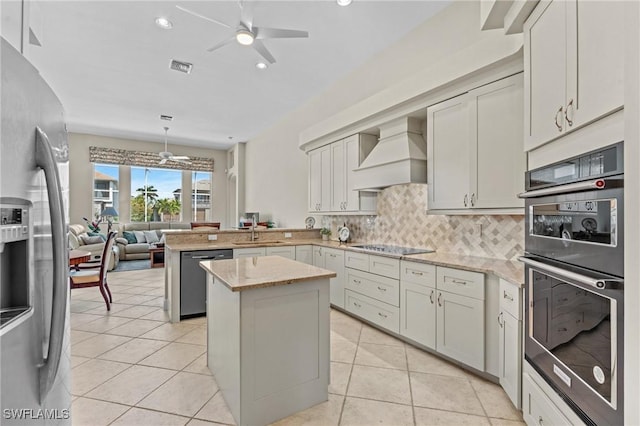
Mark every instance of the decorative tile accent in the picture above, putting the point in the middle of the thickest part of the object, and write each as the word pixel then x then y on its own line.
pixel 403 220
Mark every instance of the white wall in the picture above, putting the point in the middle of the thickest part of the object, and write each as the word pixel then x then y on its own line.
pixel 81 173
pixel 274 161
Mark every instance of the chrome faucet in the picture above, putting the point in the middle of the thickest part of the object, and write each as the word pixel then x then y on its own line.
pixel 253 228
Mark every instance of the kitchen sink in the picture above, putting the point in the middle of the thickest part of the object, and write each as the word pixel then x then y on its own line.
pixel 243 243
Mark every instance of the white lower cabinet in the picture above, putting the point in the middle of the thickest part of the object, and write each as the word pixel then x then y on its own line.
pixel 284 251
pixel 510 342
pixel 537 408
pixel 460 328
pixel 418 313
pixel 304 254
pixel 334 261
pixel 379 313
pixel 249 252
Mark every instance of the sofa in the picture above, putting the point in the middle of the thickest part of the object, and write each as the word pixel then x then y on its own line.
pixel 134 245
pixel 81 239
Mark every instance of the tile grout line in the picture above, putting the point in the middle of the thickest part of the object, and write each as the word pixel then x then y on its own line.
pixel 346 390
pixel 413 407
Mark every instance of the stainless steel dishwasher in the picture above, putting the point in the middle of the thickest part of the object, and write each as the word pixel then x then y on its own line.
pixel 193 280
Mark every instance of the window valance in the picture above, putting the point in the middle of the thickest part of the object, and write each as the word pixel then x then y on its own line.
pixel 125 157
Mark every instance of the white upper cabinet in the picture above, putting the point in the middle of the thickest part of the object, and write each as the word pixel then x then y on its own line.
pixel 574 61
pixel 475 151
pixel 448 154
pixel 497 174
pixel 320 179
pixel 331 176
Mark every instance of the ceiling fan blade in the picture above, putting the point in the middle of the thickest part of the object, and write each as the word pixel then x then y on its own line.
pixel 191 12
pixel 246 13
pixel 219 45
pixel 179 157
pixel 262 33
pixel 262 50
pixel 164 160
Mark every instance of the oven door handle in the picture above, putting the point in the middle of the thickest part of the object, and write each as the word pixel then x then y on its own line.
pixel 560 273
pixel 563 189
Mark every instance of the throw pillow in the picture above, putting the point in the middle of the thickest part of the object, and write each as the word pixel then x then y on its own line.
pixel 130 237
pixel 97 234
pixel 81 238
pixel 162 239
pixel 151 236
pixel 73 241
pixel 91 240
pixel 140 236
pixel 122 240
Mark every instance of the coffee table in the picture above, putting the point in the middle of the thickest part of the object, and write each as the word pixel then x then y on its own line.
pixel 157 256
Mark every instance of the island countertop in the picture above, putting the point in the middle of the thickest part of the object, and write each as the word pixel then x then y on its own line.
pixel 264 271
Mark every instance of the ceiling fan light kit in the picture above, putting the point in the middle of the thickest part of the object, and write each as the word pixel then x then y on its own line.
pixel 244 37
pixel 343 2
pixel 164 23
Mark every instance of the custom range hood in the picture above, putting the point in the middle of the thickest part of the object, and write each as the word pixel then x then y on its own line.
pixel 399 157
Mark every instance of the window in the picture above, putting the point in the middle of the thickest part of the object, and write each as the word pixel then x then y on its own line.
pixel 152 195
pixel 201 196
pixel 105 188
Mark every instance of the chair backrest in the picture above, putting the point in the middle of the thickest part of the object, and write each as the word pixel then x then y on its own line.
pixel 106 255
pixel 209 225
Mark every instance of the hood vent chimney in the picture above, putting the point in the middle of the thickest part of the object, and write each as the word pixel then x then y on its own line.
pixel 399 157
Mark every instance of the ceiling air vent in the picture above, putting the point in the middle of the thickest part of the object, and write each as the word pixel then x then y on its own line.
pixel 166 117
pixel 184 67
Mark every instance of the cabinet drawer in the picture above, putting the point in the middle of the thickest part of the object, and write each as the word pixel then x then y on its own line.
pixel 464 283
pixel 385 266
pixel 510 300
pixel 380 288
pixel 537 408
pixel 356 260
pixel 418 273
pixel 379 313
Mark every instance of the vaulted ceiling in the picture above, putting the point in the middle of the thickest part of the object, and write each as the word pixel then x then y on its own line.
pixel 109 62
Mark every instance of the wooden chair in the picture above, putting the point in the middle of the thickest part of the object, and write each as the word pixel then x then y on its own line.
pixel 205 226
pixel 96 277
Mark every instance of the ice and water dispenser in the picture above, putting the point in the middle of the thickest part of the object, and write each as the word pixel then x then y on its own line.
pixel 15 260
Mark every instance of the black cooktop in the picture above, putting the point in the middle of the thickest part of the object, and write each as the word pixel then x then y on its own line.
pixel 399 250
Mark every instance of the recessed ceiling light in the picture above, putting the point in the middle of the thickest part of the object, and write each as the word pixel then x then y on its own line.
pixel 261 66
pixel 343 2
pixel 164 23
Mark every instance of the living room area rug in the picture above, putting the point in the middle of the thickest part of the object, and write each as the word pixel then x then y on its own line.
pixel 132 265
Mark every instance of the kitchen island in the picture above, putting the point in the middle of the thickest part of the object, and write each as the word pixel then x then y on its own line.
pixel 268 335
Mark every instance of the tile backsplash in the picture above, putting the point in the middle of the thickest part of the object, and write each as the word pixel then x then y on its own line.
pixel 402 220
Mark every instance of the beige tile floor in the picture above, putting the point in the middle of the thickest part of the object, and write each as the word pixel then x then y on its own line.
pixel 132 367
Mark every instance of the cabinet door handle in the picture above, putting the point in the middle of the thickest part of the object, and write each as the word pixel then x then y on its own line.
pixel 566 113
pixel 439 299
pixel 357 281
pixel 417 273
pixel 465 200
pixel 558 125
pixel 473 200
pixel 459 282
pixel 382 315
pixel 540 420
pixel 431 296
pixel 500 320
pixel 357 305
pixel 507 296
pixel 382 288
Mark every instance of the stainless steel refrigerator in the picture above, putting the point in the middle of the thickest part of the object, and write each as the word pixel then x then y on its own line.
pixel 34 291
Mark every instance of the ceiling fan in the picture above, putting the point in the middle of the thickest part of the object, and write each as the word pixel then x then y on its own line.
pixel 248 35
pixel 167 156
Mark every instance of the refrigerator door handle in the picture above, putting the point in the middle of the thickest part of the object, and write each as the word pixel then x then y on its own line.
pixel 45 159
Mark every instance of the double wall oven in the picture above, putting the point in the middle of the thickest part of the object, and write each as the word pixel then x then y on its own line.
pixel 574 266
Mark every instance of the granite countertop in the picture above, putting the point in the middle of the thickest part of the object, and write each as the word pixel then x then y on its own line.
pixel 511 271
pixel 265 271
